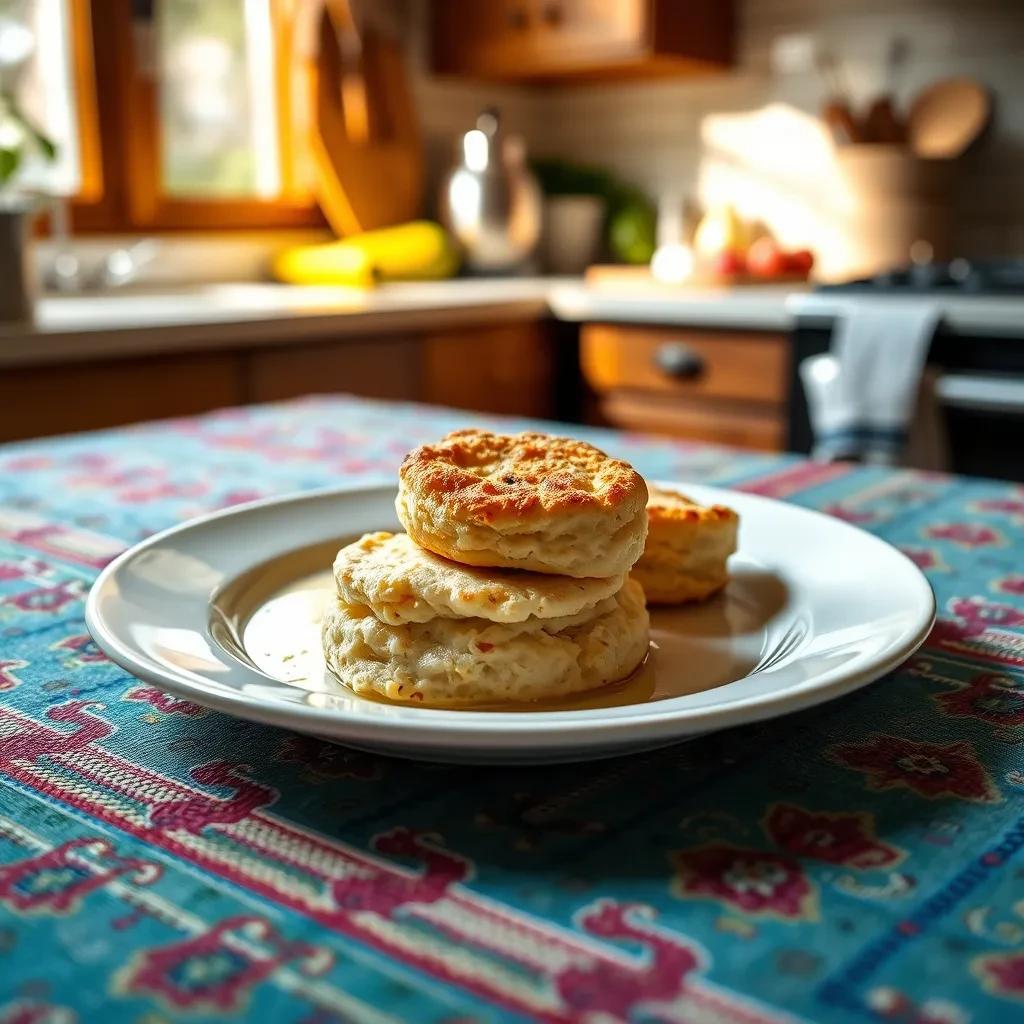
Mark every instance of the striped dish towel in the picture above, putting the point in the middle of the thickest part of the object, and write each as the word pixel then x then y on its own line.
pixel 863 395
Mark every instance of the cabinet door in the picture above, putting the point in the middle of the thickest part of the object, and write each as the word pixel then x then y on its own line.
pixel 727 423
pixel 57 399
pixel 503 368
pixel 547 39
pixel 371 367
pixel 531 38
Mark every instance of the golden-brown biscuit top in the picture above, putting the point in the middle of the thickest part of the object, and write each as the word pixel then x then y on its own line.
pixel 665 506
pixel 485 477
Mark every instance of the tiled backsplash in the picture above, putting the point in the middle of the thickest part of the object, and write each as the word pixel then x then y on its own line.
pixel 655 133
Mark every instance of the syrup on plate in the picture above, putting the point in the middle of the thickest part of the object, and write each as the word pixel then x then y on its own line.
pixel 271 617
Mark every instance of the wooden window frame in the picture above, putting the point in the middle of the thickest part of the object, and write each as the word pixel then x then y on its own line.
pixel 120 133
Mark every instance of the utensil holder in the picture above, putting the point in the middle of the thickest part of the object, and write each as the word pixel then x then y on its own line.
pixel 894 204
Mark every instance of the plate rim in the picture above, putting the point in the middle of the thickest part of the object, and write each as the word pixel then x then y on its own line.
pixel 434 725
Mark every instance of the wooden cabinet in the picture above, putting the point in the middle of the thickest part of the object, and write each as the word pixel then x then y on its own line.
pixel 61 399
pixel 372 368
pixel 506 368
pixel 499 368
pixel 545 40
pixel 727 387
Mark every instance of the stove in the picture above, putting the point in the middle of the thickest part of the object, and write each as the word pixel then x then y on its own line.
pixel 978 351
pixel 958 277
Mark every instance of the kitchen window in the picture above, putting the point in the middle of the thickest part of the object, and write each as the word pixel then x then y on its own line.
pixel 172 113
pixel 44 66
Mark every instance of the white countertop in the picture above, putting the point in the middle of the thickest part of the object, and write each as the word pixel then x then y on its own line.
pixel 997 315
pixel 246 314
pixel 94 326
pixel 752 307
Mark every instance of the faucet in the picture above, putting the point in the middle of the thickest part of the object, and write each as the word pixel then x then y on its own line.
pixel 122 266
pixel 117 268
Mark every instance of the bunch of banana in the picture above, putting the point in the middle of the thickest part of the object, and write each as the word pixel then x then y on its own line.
pixel 418 251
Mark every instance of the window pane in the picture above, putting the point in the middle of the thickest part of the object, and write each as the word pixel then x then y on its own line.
pixel 215 61
pixel 36 65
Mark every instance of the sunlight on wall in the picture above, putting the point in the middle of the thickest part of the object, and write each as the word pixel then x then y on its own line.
pixel 778 165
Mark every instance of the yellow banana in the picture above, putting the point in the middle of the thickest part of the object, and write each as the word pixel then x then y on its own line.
pixel 418 251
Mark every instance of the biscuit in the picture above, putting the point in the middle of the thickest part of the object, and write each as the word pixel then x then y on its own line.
pixel 461 662
pixel 687 548
pixel 401 582
pixel 524 501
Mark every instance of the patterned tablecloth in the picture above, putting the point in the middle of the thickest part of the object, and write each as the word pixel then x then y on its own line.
pixel 158 862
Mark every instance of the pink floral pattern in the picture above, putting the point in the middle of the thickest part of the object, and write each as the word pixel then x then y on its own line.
pixel 1002 974
pixel 966 535
pixel 836 838
pixel 991 697
pixel 926 559
pixel 1012 584
pixel 754 882
pixel 1012 506
pixel 931 770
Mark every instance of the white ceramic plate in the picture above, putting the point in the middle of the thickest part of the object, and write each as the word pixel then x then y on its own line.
pixel 224 611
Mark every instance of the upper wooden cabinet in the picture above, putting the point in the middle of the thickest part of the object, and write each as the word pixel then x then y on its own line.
pixel 548 40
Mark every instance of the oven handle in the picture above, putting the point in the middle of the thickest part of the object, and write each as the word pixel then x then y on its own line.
pixel 988 393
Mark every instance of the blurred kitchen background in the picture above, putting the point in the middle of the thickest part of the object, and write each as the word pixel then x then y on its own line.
pixel 782 224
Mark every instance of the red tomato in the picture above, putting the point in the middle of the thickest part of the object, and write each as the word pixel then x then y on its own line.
pixel 729 263
pixel 800 262
pixel 764 259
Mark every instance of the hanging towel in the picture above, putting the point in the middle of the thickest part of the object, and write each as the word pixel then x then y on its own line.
pixel 862 397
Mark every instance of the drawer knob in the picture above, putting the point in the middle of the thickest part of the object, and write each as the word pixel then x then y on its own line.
pixel 679 361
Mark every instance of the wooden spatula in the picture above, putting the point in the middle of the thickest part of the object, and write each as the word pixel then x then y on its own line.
pixel 947 117
pixel 365 138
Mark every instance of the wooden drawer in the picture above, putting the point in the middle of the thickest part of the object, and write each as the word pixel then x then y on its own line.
pixel 727 423
pixel 685 362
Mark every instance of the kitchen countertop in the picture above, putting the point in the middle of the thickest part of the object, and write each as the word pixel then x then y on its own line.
pixel 134 322
pixel 753 307
pixel 996 315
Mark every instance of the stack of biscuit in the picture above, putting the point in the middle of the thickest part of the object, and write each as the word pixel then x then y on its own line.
pixel 511 583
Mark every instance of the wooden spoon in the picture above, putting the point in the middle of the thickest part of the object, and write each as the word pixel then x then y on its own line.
pixel 947 117
pixel 882 123
pixel 837 112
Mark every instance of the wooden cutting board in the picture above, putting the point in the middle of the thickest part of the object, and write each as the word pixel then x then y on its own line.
pixel 621 277
pixel 365 136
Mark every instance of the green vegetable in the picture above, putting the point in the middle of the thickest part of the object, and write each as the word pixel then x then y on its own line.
pixel 630 223
pixel 631 232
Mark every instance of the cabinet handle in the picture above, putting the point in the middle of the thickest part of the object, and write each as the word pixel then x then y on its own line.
pixel 553 14
pixel 516 17
pixel 678 360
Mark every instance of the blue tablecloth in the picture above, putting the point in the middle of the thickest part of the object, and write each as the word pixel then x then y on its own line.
pixel 159 862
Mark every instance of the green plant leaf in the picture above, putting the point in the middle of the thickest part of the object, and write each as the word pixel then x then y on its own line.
pixel 46 146
pixel 9 162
